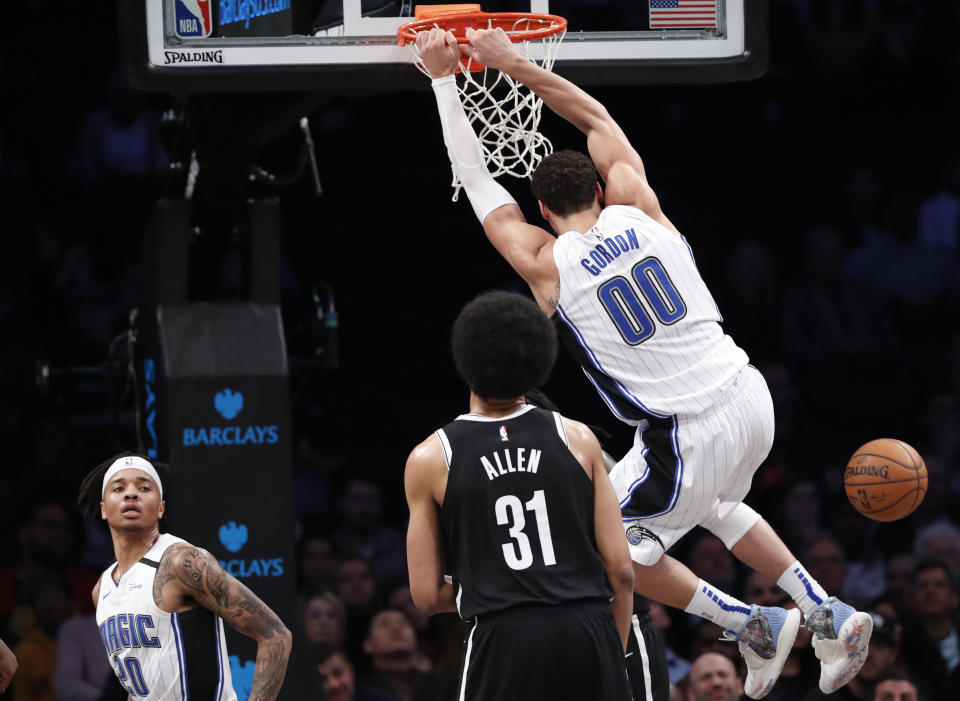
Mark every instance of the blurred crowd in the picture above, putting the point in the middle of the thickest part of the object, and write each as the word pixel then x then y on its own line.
pixel 822 201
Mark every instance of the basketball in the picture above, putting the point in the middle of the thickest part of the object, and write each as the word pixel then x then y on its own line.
pixel 885 480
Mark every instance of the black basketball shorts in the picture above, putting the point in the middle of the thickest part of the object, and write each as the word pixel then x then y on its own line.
pixel 646 657
pixel 549 653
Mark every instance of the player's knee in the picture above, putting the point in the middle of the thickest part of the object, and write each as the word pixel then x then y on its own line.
pixel 732 527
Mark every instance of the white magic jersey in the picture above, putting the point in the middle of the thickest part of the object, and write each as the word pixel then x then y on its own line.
pixel 158 655
pixel 639 318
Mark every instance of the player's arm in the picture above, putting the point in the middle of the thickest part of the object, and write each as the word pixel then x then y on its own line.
pixel 195 574
pixel 8 666
pixel 527 248
pixel 607 526
pixel 616 160
pixel 423 479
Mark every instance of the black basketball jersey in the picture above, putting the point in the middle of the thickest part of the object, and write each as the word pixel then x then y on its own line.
pixel 517 514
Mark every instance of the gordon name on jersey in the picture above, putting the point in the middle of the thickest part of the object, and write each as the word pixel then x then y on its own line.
pixel 638 317
pixel 605 251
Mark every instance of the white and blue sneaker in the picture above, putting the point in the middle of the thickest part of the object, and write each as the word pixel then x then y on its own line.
pixel 765 642
pixel 841 640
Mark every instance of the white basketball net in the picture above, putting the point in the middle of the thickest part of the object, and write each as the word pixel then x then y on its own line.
pixel 504 112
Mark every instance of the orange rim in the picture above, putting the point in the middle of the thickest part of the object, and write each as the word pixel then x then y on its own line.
pixel 539 26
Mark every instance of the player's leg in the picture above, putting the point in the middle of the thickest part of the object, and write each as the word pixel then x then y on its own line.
pixel 672 486
pixel 841 633
pixel 646 656
pixel 764 634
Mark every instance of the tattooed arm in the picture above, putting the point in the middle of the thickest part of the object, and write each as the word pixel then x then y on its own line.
pixel 8 666
pixel 187 573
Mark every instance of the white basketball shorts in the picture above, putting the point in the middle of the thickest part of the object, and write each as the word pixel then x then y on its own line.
pixel 684 471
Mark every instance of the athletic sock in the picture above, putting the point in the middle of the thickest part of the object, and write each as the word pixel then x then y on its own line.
pixel 726 611
pixel 802 588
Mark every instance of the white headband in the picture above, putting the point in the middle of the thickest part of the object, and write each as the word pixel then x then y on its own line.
pixel 131 462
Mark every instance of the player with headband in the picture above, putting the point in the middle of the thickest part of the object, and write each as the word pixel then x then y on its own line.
pixel 161 605
pixel 632 307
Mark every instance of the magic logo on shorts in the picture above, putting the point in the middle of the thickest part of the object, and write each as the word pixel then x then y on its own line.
pixel 192 18
pixel 636 534
pixel 229 404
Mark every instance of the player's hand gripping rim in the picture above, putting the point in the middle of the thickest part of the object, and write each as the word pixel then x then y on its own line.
pixel 439 52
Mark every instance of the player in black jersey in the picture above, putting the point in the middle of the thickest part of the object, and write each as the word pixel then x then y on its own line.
pixel 514 503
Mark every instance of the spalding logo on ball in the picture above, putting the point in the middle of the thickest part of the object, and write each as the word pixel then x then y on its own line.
pixel 885 480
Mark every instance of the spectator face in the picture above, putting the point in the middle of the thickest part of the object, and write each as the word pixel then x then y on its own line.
pixel 896 573
pixel 882 654
pixel 322 620
pixel 337 677
pixel 659 616
pixel 827 563
pixel 708 639
pixel 360 505
pixel 390 633
pixel 317 561
pixel 47 537
pixel 356 586
pixel 945 549
pixel 400 599
pixel 714 678
pixel 762 590
pixel 933 593
pixel 52 605
pixel 712 562
pixel 801 505
pixel 895 690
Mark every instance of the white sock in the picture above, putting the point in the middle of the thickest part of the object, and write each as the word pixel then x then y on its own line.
pixel 802 588
pixel 726 611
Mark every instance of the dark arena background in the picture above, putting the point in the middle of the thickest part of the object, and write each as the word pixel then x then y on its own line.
pixel 822 202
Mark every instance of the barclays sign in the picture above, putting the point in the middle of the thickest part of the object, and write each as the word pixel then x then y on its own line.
pixel 233 537
pixel 229 404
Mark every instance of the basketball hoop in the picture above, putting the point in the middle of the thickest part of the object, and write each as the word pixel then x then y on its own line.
pixel 504 112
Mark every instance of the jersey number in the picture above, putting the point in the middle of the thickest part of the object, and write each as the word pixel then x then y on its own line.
pixel 131 676
pixel 518 553
pixel 621 300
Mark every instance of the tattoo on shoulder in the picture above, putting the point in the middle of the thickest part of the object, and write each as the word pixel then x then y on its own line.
pixel 201 575
pixel 183 563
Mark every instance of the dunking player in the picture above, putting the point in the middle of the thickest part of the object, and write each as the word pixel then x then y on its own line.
pixel 161 606
pixel 514 503
pixel 623 284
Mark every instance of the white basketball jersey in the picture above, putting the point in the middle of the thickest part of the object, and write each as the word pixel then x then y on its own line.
pixel 639 318
pixel 158 655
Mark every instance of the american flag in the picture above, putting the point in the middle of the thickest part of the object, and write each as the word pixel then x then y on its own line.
pixel 683 13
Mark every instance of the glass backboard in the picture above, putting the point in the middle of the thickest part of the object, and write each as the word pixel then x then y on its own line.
pixel 350 45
